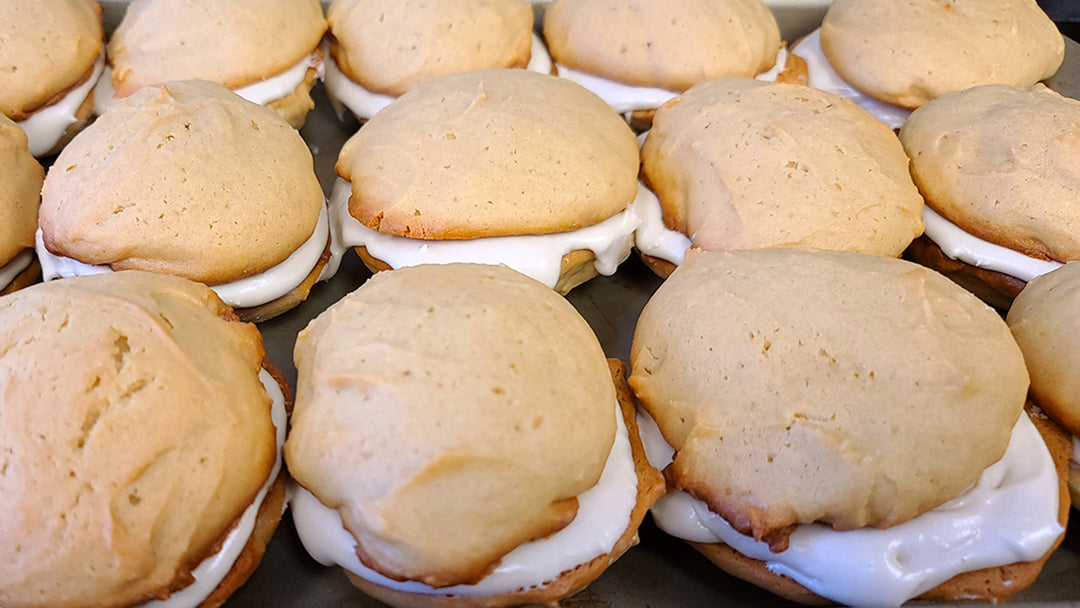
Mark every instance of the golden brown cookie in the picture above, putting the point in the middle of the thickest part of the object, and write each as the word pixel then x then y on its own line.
pixel 793 383
pixel 19 192
pixel 739 164
pixel 907 53
pixel 666 44
pixel 1001 163
pixel 223 41
pixel 389 47
pixel 135 412
pixel 47 47
pixel 487 425
pixel 186 179
pixel 490 153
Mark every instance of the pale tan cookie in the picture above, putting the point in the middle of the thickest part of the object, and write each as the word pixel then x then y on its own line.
pixel 739 163
pixel 662 43
pixel 994 585
pixel 907 53
pixel 1045 320
pixel 389 46
pixel 134 413
pixel 46 47
pixel 20 192
pixel 231 42
pixel 490 153
pixel 796 386
pixel 186 179
pixel 650 487
pixel 449 414
pixel 1003 164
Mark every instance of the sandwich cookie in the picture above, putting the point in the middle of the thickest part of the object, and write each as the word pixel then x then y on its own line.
pixel 638 55
pixel 20 193
pixel 999 167
pixel 140 441
pixel 51 55
pixel 459 440
pixel 891 57
pixel 491 166
pixel 379 50
pixel 848 427
pixel 1045 322
pixel 267 52
pixel 189 179
pixel 737 163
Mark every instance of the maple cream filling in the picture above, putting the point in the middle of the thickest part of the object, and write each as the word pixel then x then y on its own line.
pixel 346 93
pixel 209 574
pixel 255 290
pixel 821 75
pixel 1011 515
pixel 970 249
pixel 624 98
pixel 655 239
pixel 45 127
pixel 19 263
pixel 538 256
pixel 262 92
pixel 603 516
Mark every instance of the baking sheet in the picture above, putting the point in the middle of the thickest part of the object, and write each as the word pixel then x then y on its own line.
pixel 660 571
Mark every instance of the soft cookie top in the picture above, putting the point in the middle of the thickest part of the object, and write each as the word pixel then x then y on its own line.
pixel 232 42
pixel 46 47
pixel 20 191
pixel 907 53
pixel 450 413
pixel 388 47
pixel 1045 320
pixel 135 430
pixel 739 163
pixel 801 386
pixel 1003 163
pixel 490 153
pixel 186 178
pixel 670 44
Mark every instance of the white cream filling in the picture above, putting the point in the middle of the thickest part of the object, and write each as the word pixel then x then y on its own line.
pixel 603 515
pixel 242 293
pixel 209 574
pixel 970 249
pixel 283 84
pixel 538 256
pixel 262 92
pixel 1009 516
pixel 655 239
pixel 345 93
pixel 46 126
pixel 821 75
pixel 625 98
pixel 19 263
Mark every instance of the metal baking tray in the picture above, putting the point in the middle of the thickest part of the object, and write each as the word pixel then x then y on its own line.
pixel 660 571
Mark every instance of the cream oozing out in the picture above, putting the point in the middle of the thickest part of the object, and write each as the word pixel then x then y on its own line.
pixel 1011 515
pixel 603 516
pixel 241 293
pixel 652 237
pixel 262 92
pixel 46 126
pixel 624 98
pixel 346 93
pixel 821 75
pixel 209 574
pixel 970 249
pixel 538 256
pixel 19 263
